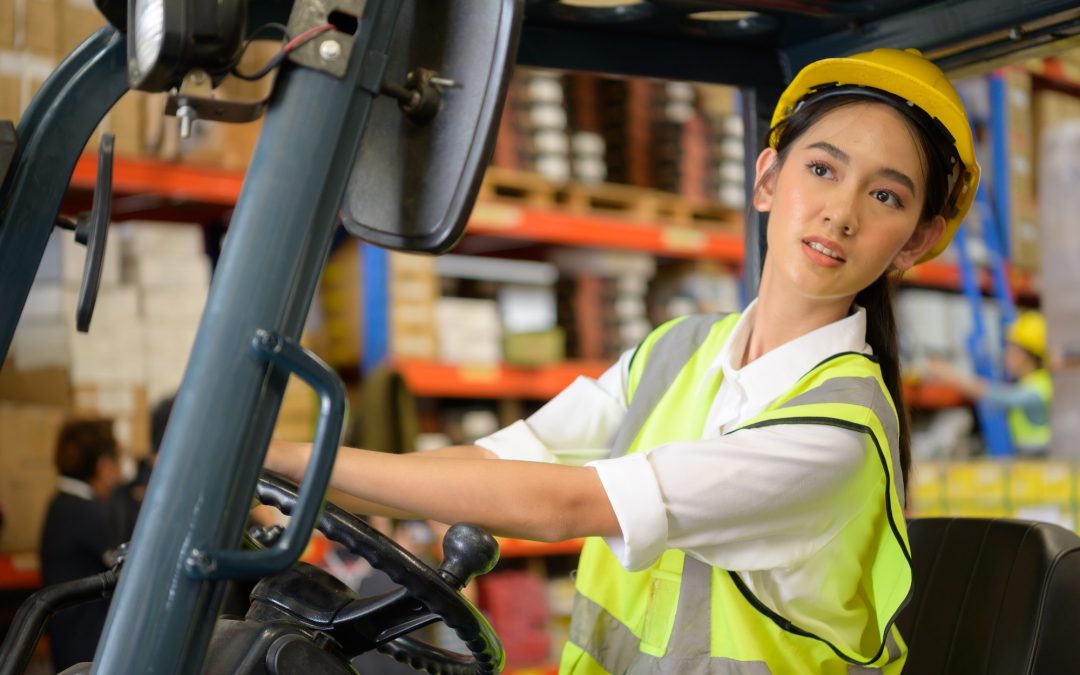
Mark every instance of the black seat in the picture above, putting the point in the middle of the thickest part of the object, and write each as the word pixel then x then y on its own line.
pixel 992 596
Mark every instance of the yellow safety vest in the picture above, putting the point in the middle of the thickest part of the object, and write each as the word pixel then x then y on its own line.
pixel 1028 435
pixel 684 616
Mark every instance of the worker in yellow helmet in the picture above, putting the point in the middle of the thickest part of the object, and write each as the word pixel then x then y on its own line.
pixel 1027 398
pixel 740 477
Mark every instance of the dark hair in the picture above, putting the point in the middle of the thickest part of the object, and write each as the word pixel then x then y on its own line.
pixel 936 152
pixel 159 418
pixel 81 444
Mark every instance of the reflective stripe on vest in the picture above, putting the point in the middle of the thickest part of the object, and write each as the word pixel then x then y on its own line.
pixel 684 642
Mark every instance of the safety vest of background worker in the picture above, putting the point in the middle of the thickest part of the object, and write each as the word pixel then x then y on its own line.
pixel 708 616
pixel 1029 416
pixel 683 615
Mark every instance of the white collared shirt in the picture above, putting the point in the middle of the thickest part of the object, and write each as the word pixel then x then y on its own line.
pixel 759 499
pixel 74 487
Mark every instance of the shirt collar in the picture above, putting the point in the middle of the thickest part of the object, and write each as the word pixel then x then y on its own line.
pixel 775 372
pixel 75 487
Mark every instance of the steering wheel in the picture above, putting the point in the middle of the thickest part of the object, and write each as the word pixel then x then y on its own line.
pixel 467 550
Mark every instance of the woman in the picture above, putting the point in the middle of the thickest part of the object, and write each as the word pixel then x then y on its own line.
pixel 743 478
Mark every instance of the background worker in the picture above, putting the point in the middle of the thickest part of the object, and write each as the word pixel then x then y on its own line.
pixel 1026 397
pixel 77 540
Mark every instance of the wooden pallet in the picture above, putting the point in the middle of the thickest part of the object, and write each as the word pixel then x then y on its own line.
pixel 622 201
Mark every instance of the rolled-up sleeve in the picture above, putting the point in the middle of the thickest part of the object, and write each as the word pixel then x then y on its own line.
pixel 755 499
pixel 574 427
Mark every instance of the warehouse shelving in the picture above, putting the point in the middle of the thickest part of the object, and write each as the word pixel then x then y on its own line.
pixel 495 218
pixel 542 225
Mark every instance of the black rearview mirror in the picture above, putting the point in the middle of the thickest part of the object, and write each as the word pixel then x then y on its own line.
pixel 416 176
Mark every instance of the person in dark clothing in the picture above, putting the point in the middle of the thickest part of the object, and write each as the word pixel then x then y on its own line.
pixel 77 541
pixel 125 501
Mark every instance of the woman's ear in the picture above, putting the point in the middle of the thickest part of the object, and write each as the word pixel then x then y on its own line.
pixel 765 180
pixel 921 241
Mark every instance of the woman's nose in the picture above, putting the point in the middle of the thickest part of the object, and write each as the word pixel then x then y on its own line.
pixel 840 215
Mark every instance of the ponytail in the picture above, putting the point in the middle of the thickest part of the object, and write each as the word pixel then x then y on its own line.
pixel 881 336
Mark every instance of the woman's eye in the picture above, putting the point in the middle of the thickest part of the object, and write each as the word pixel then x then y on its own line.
pixel 888 198
pixel 820 170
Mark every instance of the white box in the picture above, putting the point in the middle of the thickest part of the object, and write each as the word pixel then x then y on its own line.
pixel 173 304
pixel 54 301
pixel 142 237
pixel 64 259
pixel 171 271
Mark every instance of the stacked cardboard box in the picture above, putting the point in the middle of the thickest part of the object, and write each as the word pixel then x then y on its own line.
pixel 414 296
pixel 335 320
pixel 469 331
pixel 97 373
pixel 35 35
pixel 165 262
pixel 28 436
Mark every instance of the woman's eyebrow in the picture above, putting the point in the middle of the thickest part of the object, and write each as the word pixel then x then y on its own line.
pixel 832 150
pixel 895 174
pixel 899 177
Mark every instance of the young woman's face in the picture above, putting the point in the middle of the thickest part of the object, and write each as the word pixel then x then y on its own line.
pixel 845 206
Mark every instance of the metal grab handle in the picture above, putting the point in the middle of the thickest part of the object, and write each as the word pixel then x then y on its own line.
pixel 236 564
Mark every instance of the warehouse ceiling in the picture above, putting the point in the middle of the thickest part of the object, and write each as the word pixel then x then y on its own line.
pixel 754 41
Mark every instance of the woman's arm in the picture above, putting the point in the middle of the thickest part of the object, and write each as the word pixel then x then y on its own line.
pixel 530 500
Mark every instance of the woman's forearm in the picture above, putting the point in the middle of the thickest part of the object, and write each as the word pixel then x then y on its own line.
pixel 531 500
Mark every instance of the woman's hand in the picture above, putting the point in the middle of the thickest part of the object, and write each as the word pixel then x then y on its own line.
pixel 288 459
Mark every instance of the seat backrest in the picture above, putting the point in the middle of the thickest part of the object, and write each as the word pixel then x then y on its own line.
pixel 993 597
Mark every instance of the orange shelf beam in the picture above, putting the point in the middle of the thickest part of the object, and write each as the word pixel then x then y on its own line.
pixel 132 176
pixel 19 571
pixel 552 226
pixel 523 548
pixel 932 395
pixel 430 378
pixel 947 277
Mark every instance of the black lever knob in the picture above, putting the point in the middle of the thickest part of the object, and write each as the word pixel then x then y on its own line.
pixel 468 551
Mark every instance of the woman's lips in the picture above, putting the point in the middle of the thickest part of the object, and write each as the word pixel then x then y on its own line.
pixel 823 252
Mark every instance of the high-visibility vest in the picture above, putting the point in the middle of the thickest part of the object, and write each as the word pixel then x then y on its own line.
pixel 683 616
pixel 1026 434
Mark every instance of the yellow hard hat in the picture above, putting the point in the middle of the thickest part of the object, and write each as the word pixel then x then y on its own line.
pixel 1029 332
pixel 911 77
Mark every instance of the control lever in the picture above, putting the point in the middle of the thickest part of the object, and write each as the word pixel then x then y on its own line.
pixel 92 230
pixel 468 552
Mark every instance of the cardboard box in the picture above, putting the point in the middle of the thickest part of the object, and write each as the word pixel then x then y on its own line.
pixel 148 238
pixel 76 22
pixel 170 271
pixel 53 301
pixel 27 477
pixel 41 27
pixel 126 122
pixel 7 26
pixel 126 405
pixel 44 386
pixel 535 349
pixel 64 260
pixel 10 96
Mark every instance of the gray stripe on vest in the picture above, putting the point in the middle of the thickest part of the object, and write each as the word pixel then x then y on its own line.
pixel 602 636
pixel 665 362
pixel 856 391
pixel 618 650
